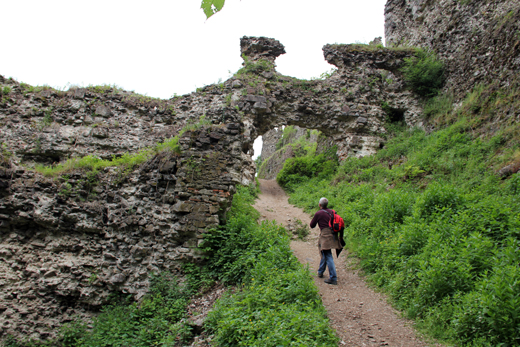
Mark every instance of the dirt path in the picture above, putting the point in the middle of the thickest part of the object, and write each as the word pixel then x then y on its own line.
pixel 360 316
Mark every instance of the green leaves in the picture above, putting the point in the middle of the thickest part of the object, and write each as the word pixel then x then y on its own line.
pixel 424 73
pixel 433 226
pixel 278 303
pixel 210 7
pixel 155 321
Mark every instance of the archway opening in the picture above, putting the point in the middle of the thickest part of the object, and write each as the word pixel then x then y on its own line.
pixel 282 143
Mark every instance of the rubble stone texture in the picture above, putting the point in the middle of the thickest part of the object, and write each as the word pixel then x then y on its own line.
pixel 67 242
pixel 479 41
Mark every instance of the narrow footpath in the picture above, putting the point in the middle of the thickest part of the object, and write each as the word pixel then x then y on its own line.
pixel 360 316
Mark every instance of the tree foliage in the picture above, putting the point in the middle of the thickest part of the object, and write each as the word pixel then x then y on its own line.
pixel 210 7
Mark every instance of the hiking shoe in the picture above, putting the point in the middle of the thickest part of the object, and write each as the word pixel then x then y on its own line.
pixel 320 275
pixel 331 282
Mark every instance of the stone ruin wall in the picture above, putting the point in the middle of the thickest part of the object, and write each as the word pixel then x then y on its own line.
pixel 479 41
pixel 272 159
pixel 66 243
pixel 269 141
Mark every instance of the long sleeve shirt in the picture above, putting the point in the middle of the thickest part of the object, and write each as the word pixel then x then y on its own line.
pixel 321 218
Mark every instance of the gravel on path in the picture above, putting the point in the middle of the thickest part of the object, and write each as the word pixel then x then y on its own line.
pixel 360 316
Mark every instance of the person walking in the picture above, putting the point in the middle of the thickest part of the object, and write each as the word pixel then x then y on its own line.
pixel 327 242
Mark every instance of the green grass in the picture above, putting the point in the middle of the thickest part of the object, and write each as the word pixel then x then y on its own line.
pixel 127 161
pixel 436 228
pixel 298 170
pixel 278 303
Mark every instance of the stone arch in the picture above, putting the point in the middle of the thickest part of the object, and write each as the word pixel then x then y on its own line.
pixel 349 106
pixel 151 217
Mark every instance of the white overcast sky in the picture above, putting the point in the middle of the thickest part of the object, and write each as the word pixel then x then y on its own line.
pixel 159 48
pixel 162 47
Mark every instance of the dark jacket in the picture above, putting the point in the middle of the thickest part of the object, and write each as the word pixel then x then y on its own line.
pixel 328 239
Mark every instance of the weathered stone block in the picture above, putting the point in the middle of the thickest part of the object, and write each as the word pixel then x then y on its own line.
pixel 103 111
pixel 117 279
pixel 183 206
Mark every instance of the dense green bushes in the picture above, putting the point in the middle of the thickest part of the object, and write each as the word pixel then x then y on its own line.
pixel 299 169
pixel 155 321
pixel 437 229
pixel 278 304
pixel 424 73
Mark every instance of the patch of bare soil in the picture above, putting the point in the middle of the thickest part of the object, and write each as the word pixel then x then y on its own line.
pixel 360 316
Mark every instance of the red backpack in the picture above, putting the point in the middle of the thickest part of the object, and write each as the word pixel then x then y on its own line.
pixel 336 223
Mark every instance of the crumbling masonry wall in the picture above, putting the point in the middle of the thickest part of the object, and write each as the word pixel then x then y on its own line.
pixel 479 41
pixel 68 241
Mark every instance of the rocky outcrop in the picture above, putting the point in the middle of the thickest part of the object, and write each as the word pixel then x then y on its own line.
pixel 69 240
pixel 261 48
pixel 65 249
pixel 479 41
pixel 346 104
pixel 269 141
pixel 272 165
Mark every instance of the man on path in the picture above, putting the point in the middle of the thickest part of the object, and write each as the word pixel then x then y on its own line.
pixel 328 240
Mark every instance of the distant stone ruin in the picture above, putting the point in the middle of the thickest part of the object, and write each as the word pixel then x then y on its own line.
pixel 67 241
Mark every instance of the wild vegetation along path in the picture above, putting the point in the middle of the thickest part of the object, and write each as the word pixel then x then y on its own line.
pixel 360 316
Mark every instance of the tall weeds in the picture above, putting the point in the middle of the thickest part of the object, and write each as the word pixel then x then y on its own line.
pixel 436 228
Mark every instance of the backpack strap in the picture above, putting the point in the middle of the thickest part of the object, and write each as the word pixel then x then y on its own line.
pixel 331 218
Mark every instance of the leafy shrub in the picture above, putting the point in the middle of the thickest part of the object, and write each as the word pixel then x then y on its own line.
pixel 133 324
pixel 298 170
pixel 424 73
pixel 278 303
pixel 490 312
pixel 443 245
pixel 280 309
pixel 437 198
pixel 514 184
pixel 233 248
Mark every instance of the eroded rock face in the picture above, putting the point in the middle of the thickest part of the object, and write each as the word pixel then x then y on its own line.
pixel 477 40
pixel 273 159
pixel 67 242
pixel 64 250
pixel 345 105
pixel 269 141
pixel 256 48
